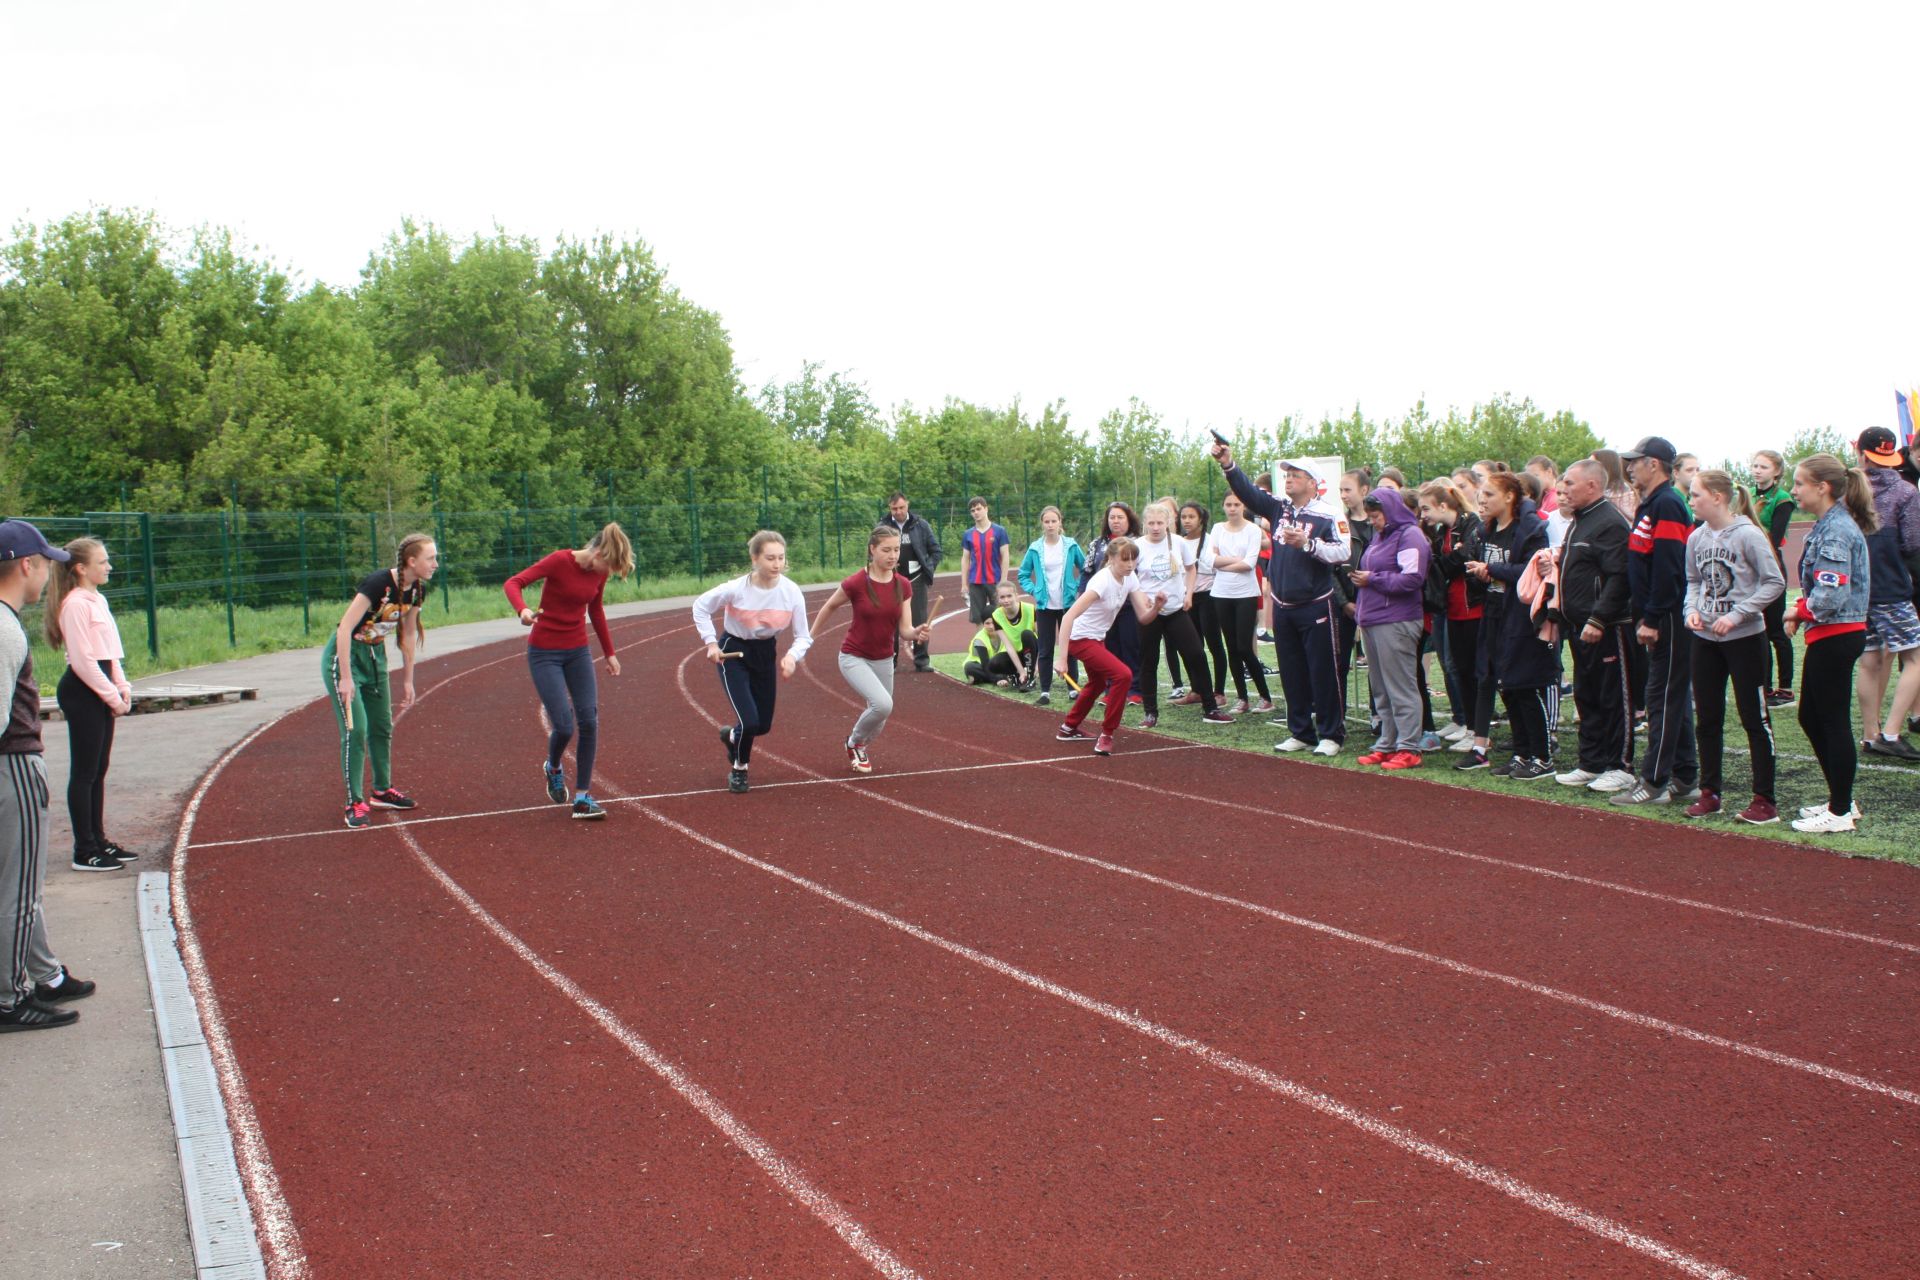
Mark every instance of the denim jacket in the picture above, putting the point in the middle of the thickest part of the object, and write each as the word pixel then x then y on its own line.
pixel 1835 576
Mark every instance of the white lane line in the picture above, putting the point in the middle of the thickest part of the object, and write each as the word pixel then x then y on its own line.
pixel 1645 1021
pixel 1404 1140
pixel 817 780
pixel 788 1176
pixel 288 1259
pixel 1592 882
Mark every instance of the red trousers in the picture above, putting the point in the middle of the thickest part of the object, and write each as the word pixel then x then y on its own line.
pixel 1103 670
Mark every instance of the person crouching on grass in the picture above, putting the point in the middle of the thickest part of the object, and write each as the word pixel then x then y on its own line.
pixel 1003 649
pixel 558 656
pixel 755 608
pixel 882 603
pixel 1087 623
pixel 385 602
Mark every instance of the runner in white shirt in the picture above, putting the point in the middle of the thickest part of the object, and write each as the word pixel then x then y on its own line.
pixel 1087 623
pixel 755 608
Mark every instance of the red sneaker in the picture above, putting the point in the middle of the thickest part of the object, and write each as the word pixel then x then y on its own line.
pixel 1403 760
pixel 1103 745
pixel 1759 813
pixel 1375 757
pixel 1709 802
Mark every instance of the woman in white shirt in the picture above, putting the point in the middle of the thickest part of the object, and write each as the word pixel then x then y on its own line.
pixel 755 608
pixel 1166 570
pixel 1234 545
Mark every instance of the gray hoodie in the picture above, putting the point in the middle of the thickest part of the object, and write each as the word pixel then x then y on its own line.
pixel 1731 572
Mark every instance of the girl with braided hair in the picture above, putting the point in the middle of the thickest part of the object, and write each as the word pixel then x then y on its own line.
pixel 354 669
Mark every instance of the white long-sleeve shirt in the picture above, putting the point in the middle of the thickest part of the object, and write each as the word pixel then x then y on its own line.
pixel 755 613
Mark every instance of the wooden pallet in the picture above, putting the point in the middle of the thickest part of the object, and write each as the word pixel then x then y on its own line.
pixel 169 697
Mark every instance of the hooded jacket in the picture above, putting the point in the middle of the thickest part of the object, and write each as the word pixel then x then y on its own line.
pixel 1511 651
pixel 1395 563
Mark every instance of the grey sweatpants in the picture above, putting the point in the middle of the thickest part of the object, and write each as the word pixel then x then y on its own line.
pixel 872 679
pixel 1393 669
pixel 23 877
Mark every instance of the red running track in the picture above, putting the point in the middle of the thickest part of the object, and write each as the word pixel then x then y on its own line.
pixel 1006 1009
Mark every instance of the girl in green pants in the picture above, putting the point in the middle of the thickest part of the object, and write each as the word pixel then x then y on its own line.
pixel 387 601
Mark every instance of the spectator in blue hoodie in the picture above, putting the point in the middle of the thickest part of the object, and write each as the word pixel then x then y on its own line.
pixel 1050 572
pixel 1657 590
pixel 1392 580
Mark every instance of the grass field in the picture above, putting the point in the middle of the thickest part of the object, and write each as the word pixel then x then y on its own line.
pixel 1888 792
pixel 197 636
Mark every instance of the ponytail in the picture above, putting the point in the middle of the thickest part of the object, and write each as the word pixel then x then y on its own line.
pixel 1848 485
pixel 64 579
pixel 408 549
pixel 1722 485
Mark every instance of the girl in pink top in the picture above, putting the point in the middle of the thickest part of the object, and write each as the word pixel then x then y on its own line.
pixel 558 656
pixel 93 693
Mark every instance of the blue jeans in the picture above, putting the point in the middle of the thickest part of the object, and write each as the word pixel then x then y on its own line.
pixel 564 680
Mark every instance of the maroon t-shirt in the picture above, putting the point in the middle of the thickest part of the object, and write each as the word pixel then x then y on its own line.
pixel 876 614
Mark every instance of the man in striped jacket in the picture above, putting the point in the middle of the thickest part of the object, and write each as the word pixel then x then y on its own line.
pixel 1657 589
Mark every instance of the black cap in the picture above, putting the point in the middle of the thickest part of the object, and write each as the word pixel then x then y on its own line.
pixel 18 538
pixel 1653 447
pixel 1879 446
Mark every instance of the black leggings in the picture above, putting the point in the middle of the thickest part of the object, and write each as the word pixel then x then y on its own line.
pixel 90 750
pixel 1463 651
pixel 752 684
pixel 1237 616
pixel 1826 711
pixel 1181 637
pixel 1780 656
pixel 1744 661
pixel 1206 621
pixel 1047 628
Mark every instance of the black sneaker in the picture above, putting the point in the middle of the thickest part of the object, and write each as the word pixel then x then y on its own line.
pixel 556 782
pixel 95 860
pixel 1475 759
pixel 1506 770
pixel 1913 724
pixel 70 988
pixel 391 798
pixel 726 740
pixel 585 806
pixel 31 1015
pixel 1044 700
pixel 737 781
pixel 1778 698
pixel 358 815
pixel 1529 771
pixel 1897 748
pixel 124 855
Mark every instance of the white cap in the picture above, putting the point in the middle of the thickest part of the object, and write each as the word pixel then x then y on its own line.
pixel 1303 464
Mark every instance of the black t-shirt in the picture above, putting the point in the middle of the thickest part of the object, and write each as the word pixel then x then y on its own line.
pixel 390 605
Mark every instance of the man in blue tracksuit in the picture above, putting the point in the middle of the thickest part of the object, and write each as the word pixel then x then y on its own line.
pixel 1310 536
pixel 1657 590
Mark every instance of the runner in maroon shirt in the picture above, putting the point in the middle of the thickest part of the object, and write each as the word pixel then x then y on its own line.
pixel 882 617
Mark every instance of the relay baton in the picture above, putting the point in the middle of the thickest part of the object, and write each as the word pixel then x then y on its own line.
pixel 346 712
pixel 527 622
pixel 1071 682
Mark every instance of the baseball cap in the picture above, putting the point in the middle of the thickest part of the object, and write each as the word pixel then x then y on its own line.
pixel 1302 464
pixel 1878 446
pixel 18 538
pixel 1653 447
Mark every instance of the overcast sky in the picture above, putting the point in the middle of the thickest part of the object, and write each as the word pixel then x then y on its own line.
pixel 1698 220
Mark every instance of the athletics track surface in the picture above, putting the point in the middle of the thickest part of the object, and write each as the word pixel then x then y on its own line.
pixel 1074 1018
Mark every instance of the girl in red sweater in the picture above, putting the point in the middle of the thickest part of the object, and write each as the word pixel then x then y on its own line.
pixel 558 656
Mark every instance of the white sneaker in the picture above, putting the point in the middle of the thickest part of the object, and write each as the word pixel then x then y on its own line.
pixel 1612 780
pixel 1575 777
pixel 1291 745
pixel 1824 822
pixel 1326 747
pixel 1463 743
pixel 1815 810
pixel 1455 732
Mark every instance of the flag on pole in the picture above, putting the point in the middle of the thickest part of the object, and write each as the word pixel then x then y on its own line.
pixel 1903 407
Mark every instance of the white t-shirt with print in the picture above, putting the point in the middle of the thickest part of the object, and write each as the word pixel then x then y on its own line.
pixel 1109 597
pixel 1163 571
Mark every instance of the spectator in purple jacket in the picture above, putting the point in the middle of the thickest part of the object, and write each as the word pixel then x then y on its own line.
pixel 1392 579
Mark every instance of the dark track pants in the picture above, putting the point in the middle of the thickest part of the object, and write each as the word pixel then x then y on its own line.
pixel 1669 755
pixel 1602 675
pixel 752 683
pixel 1308 643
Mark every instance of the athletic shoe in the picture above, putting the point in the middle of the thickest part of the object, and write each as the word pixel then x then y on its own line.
pixel 1913 724
pixel 1264 637
pixel 1708 803
pixel 1686 794
pixel 1103 745
pixel 585 806
pixel 31 1015
pixel 1291 745
pixel 1575 777
pixel 95 860
pixel 1403 760
pixel 726 740
pixel 556 782
pixel 1896 748
pixel 1463 743
pixel 1239 707
pixel 1610 781
pixel 1506 770
pixel 1069 733
pixel 857 757
pixel 1531 771
pixel 1815 810
pixel 1474 759
pixel 70 988
pixel 358 814
pixel 1044 700
pixel 1778 698
pixel 115 851
pixel 1263 707
pixel 1179 693
pixel 737 781
pixel 1453 731
pixel 1188 699
pixel 1431 741
pixel 1268 669
pixel 1641 792
pixel 1375 756
pixel 1135 700
pixel 1150 719
pixel 1824 822
pixel 391 798
pixel 1326 747
pixel 1759 813
pixel 1215 716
